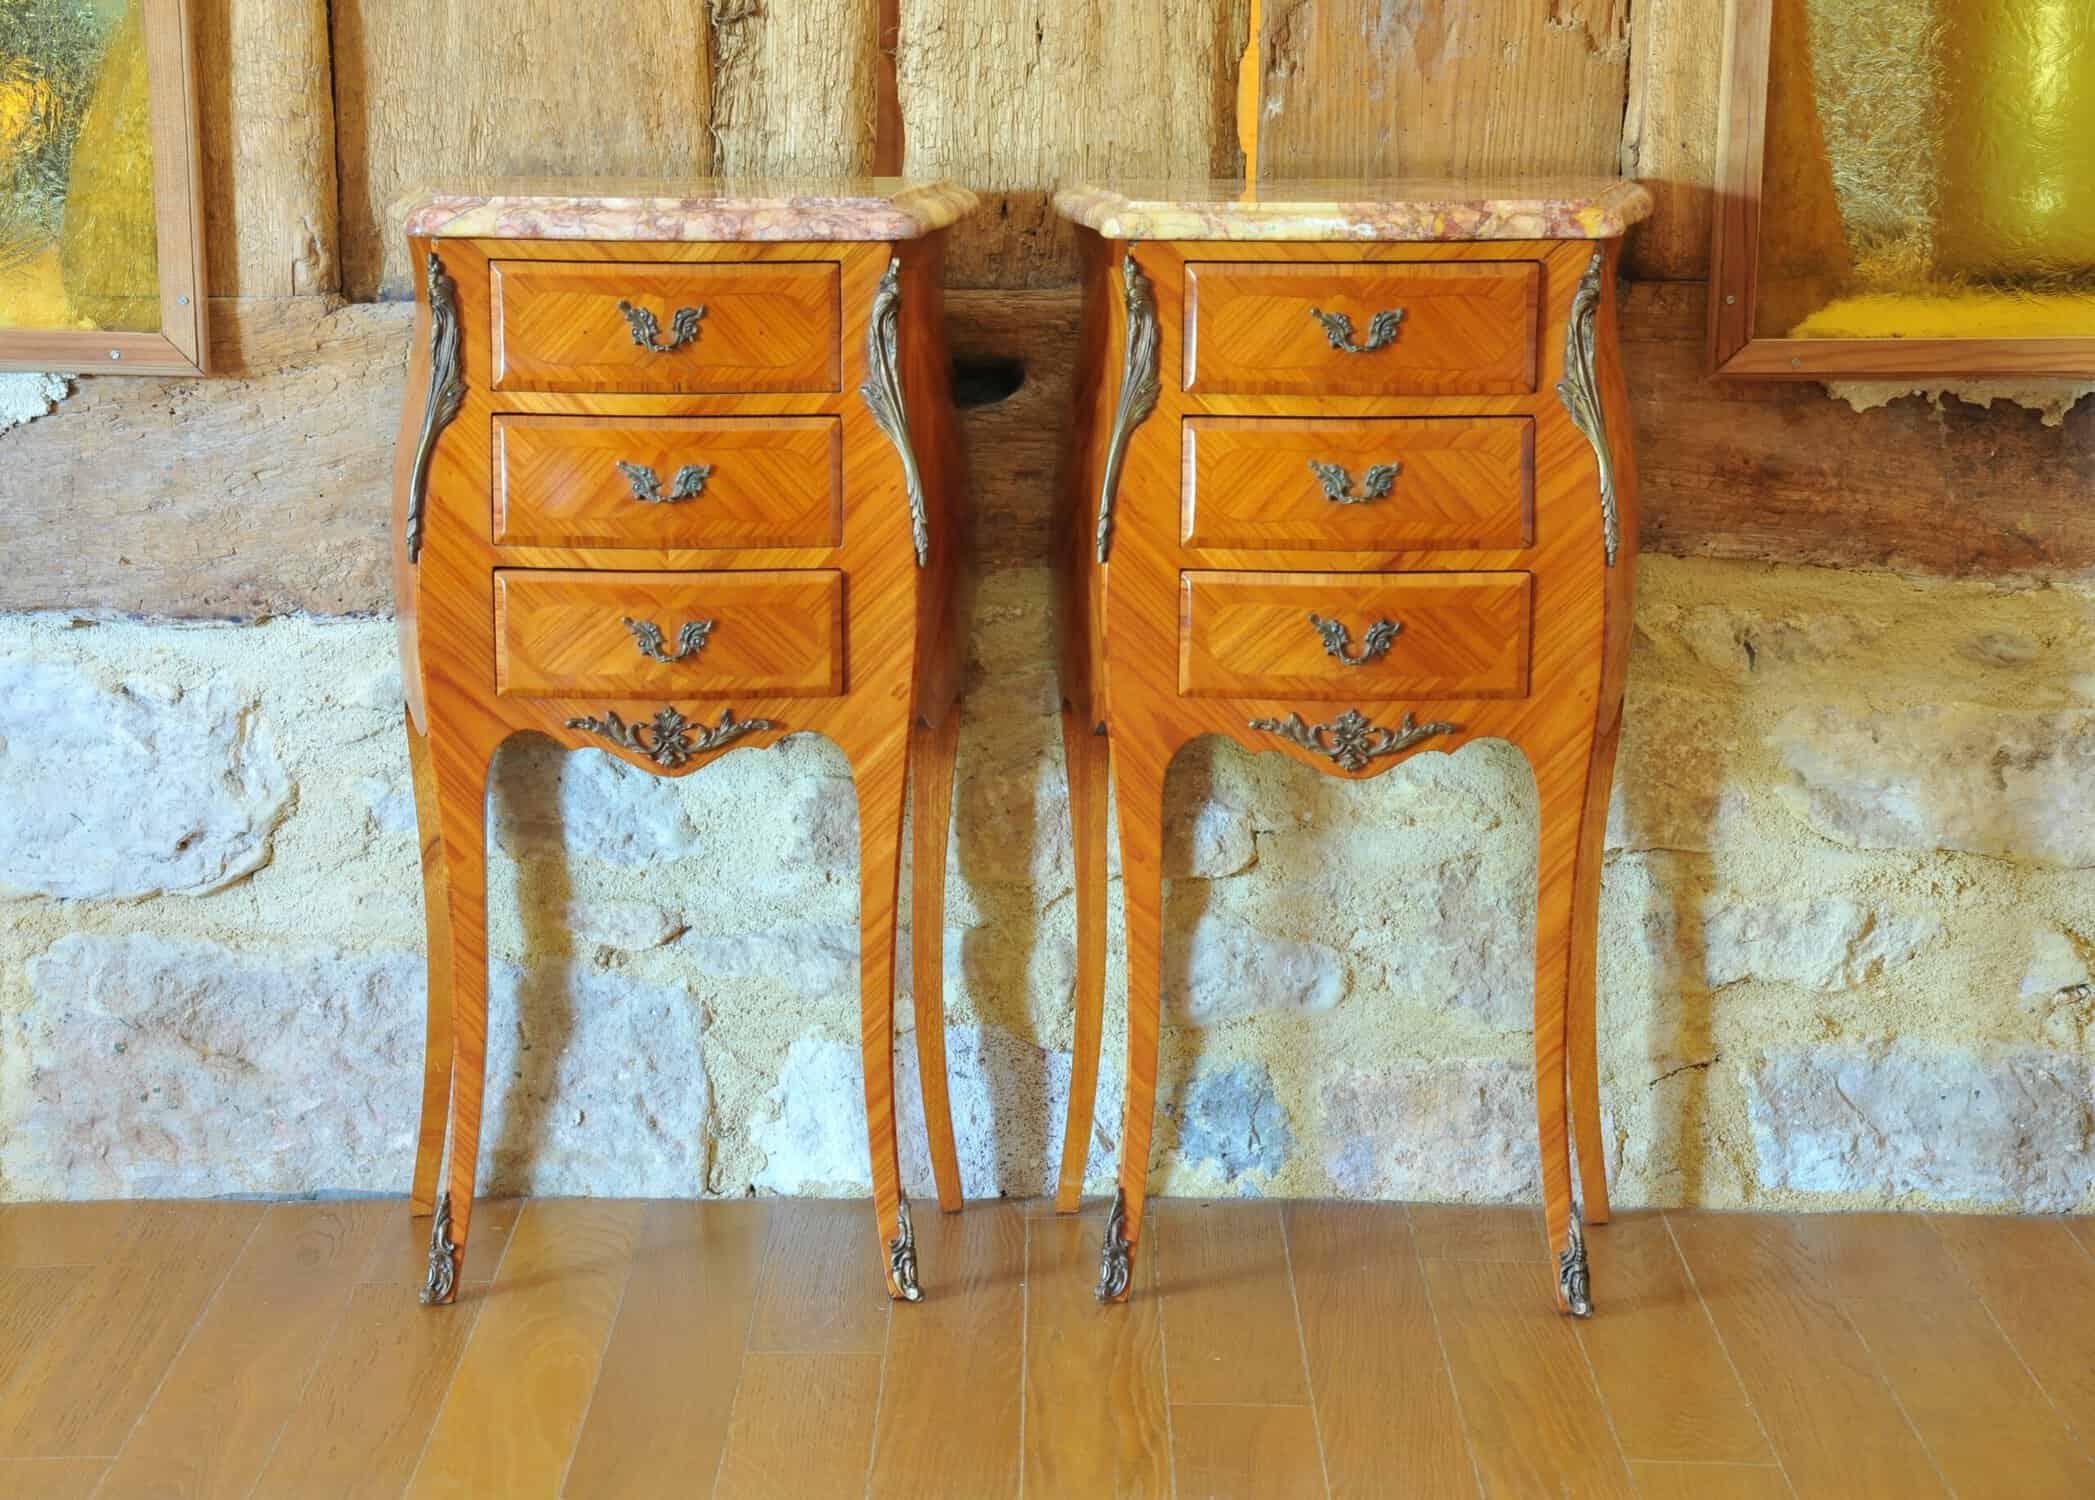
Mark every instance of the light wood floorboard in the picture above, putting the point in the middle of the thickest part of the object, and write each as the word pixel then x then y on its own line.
pixel 746 1349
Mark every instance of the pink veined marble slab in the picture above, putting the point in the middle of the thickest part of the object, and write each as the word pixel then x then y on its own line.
pixel 1538 208
pixel 690 209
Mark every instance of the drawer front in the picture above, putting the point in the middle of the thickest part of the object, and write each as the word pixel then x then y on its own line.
pixel 1371 485
pixel 641 327
pixel 561 634
pixel 668 482
pixel 1358 636
pixel 1384 329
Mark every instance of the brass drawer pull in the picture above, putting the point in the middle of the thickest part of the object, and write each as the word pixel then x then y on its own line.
pixel 689 483
pixel 1338 484
pixel 1338 641
pixel 1382 329
pixel 691 640
pixel 647 333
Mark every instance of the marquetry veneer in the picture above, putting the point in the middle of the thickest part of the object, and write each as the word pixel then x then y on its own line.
pixel 678 472
pixel 1352 479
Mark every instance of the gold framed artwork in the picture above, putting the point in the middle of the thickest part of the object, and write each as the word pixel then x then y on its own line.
pixel 101 215
pixel 1903 190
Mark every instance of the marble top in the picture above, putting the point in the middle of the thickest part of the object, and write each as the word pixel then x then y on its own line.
pixel 690 208
pixel 1422 208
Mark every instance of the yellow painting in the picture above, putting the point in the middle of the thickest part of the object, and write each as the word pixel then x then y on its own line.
pixel 1928 170
pixel 78 243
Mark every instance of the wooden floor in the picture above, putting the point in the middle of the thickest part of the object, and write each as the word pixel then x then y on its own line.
pixel 745 1349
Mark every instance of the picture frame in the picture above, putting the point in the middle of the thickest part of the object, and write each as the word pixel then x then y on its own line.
pixel 181 344
pixel 1735 350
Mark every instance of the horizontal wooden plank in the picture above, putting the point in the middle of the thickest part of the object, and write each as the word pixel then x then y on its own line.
pixel 267 491
pixel 1781 472
pixel 258 494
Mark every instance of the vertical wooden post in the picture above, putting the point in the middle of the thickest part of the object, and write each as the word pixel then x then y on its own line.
pixel 1250 95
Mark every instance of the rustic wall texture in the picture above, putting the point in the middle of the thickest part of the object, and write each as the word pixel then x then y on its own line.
pixel 1842 953
pixel 1848 934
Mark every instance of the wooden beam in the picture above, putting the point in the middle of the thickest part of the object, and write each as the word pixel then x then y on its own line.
pixel 267 491
pixel 1019 97
pixel 267 117
pixel 1362 88
pixel 423 90
pixel 1669 134
pixel 796 88
pixel 263 490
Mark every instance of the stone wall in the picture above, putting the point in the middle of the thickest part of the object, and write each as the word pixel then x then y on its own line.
pixel 1844 944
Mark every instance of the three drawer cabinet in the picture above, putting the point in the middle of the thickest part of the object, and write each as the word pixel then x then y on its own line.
pixel 678 473
pixel 1352 480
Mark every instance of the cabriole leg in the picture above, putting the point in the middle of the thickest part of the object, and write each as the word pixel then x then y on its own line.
pixel 931 772
pixel 1138 784
pixel 1581 1018
pixel 881 771
pixel 436 915
pixel 1561 779
pixel 460 768
pixel 1088 759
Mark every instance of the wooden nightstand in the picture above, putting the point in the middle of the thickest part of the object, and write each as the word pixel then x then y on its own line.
pixel 1353 479
pixel 678 472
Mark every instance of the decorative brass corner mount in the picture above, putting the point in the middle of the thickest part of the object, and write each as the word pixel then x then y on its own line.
pixel 447 392
pixel 1139 389
pixel 1579 390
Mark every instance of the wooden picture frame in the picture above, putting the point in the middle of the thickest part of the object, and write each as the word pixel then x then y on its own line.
pixel 181 346
pixel 1734 349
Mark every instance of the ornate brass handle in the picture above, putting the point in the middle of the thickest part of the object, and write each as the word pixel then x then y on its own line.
pixel 1338 641
pixel 1338 484
pixel 647 333
pixel 690 481
pixel 1382 329
pixel 691 640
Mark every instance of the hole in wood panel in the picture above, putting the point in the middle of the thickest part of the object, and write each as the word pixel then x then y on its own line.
pixel 985 379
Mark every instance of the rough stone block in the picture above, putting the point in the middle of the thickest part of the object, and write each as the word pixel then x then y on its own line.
pixel 814 959
pixel 1008 1096
pixel 597 1086
pixel 163 1068
pixel 1955 776
pixel 1674 787
pixel 1433 1131
pixel 548 801
pixel 182 1069
pixel 118 795
pixel 2056 963
pixel 1230 969
pixel 1476 947
pixel 1232 1117
pixel 1821 945
pixel 2013 1126
pixel 628 925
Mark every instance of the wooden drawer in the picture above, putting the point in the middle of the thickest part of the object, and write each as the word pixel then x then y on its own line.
pixel 1257 635
pixel 642 326
pixel 1370 485
pixel 666 482
pixel 565 634
pixel 1459 328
